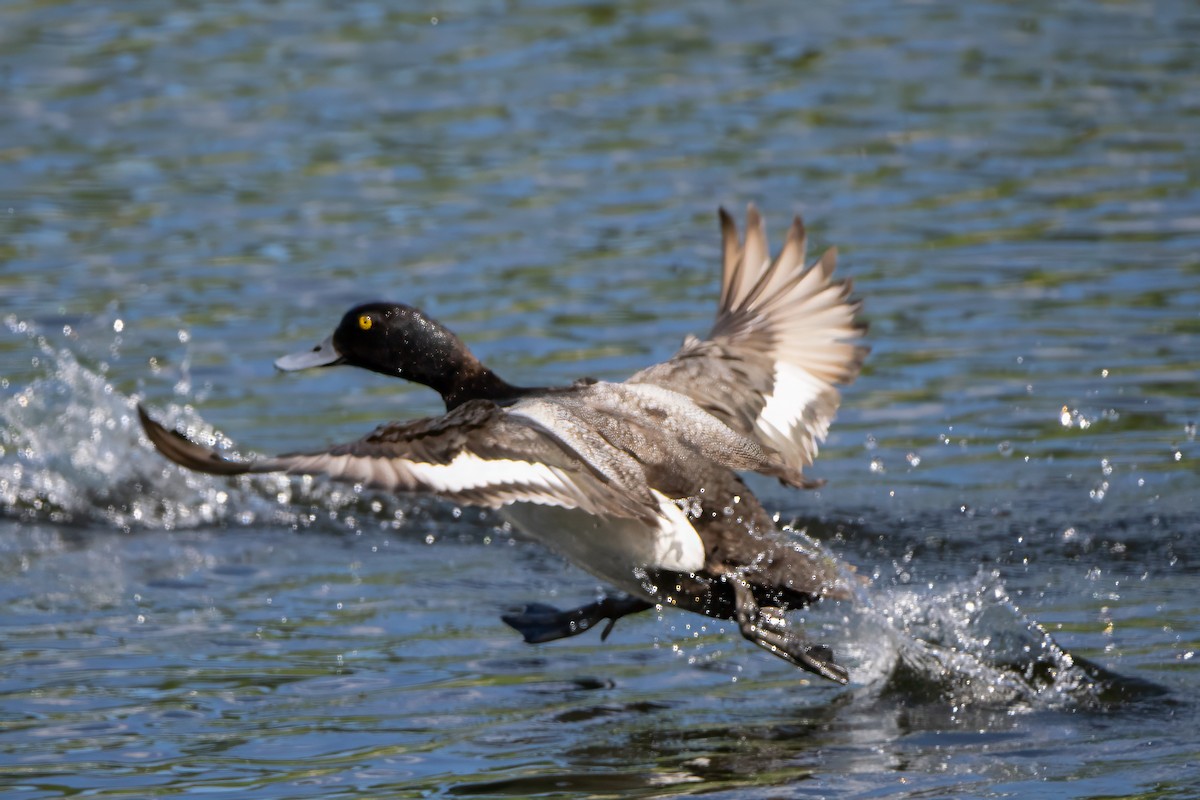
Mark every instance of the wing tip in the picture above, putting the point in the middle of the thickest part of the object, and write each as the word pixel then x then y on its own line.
pixel 753 217
pixel 183 451
pixel 798 232
pixel 827 263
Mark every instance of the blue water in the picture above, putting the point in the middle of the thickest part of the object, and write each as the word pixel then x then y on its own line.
pixel 189 191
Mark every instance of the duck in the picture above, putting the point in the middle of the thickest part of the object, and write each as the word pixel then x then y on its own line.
pixel 639 482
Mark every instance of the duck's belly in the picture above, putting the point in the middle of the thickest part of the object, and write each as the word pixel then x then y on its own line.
pixel 615 550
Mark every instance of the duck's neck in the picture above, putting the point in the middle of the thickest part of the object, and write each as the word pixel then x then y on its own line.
pixel 430 354
pixel 474 381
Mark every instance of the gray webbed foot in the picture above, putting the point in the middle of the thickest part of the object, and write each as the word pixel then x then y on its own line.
pixel 539 622
pixel 767 628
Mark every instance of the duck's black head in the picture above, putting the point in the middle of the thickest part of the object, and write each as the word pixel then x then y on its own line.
pixel 402 341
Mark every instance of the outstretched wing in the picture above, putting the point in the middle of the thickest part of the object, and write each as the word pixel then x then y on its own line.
pixel 476 455
pixel 785 337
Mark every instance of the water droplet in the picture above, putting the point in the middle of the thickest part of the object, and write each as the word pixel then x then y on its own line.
pixel 118 325
pixel 1005 448
pixel 913 460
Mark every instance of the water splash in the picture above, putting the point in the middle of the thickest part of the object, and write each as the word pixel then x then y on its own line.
pixel 963 645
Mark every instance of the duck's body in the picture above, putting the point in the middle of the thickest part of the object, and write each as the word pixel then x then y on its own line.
pixel 636 481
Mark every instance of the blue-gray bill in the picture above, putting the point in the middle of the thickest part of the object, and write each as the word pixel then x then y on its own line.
pixel 323 355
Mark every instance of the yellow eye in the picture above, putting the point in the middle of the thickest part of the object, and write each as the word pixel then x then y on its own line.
pixel 365 322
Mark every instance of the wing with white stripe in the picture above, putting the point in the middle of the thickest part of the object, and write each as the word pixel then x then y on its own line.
pixel 785 337
pixel 476 454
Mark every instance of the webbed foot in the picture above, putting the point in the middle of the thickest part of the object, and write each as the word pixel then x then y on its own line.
pixel 768 629
pixel 539 622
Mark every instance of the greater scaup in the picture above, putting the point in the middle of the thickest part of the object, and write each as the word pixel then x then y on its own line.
pixel 636 481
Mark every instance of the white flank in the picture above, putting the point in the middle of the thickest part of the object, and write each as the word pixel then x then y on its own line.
pixel 677 546
pixel 614 549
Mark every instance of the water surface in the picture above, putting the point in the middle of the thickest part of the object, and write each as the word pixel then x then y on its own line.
pixel 188 192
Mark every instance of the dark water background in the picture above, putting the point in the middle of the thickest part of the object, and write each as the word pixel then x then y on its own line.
pixel 189 190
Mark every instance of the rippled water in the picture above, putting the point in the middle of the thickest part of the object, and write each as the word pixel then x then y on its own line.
pixel 189 191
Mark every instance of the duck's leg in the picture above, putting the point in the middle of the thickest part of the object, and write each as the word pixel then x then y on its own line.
pixel 538 622
pixel 768 629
